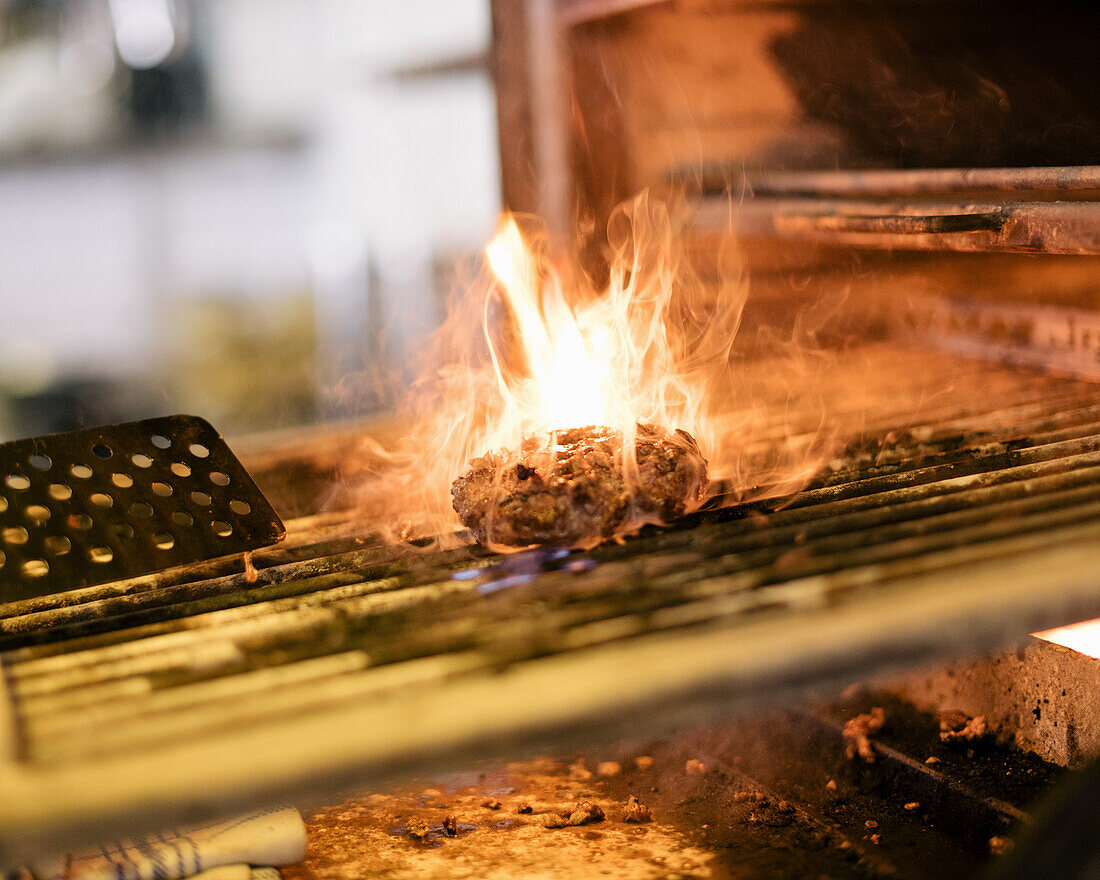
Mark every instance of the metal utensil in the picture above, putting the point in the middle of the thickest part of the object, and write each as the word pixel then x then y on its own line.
pixel 103 504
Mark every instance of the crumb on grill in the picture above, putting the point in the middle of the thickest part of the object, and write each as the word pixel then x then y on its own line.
pixel 585 812
pixel 857 733
pixel 636 812
pixel 417 828
pixel 960 727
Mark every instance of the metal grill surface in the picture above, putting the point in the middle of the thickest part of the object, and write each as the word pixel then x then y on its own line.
pixel 948 527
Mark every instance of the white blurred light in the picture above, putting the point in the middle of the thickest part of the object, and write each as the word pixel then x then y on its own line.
pixel 1082 637
pixel 86 66
pixel 144 31
pixel 336 250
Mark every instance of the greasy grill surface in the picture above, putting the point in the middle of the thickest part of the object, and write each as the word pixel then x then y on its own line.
pixel 334 624
pixel 138 657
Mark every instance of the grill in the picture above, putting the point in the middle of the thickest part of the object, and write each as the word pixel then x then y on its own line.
pixel 918 421
pixel 953 523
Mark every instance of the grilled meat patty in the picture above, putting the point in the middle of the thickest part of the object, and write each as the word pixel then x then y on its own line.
pixel 577 491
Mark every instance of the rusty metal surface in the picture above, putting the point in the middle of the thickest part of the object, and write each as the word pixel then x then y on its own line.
pixel 102 504
pixel 1020 183
pixel 1050 227
pixel 897 224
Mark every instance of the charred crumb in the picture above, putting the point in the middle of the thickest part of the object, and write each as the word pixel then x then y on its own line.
pixel 857 733
pixel 524 808
pixel 585 812
pixel 999 846
pixel 491 803
pixel 608 768
pixel 695 767
pixel 636 812
pixel 960 727
pixel 576 491
pixel 418 829
pixel 525 472
pixel 450 826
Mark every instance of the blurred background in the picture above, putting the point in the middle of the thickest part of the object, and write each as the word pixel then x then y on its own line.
pixel 245 209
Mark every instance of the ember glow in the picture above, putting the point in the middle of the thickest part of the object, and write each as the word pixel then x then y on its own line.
pixel 532 346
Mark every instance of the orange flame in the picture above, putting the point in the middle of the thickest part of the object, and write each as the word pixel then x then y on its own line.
pixel 533 346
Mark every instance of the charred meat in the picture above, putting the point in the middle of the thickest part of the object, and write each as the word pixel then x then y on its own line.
pixel 579 488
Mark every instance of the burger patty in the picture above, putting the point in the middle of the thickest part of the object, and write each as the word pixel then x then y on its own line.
pixel 576 492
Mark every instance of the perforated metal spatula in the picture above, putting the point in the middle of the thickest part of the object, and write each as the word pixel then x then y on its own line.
pixel 103 504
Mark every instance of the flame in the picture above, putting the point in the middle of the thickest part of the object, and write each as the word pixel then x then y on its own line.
pixel 532 346
pixel 595 358
pixel 569 375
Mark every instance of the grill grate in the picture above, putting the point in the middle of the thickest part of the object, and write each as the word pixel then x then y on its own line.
pixel 956 527
pixel 100 504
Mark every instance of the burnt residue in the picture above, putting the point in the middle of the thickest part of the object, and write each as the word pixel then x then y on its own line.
pixel 771 796
pixel 990 768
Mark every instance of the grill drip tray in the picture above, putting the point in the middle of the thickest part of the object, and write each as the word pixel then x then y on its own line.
pixel 951 527
pixel 770 795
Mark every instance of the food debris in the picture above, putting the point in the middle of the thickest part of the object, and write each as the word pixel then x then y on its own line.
pixel 576 490
pixel 643 762
pixel 579 771
pixel 876 839
pixel 491 803
pixel 870 823
pixel 912 805
pixel 999 846
pixel 609 768
pixel 742 796
pixel 695 767
pixel 636 812
pixel 857 732
pixel 585 812
pixel 524 808
pixel 931 759
pixel 960 727
pixel 450 826
pixel 831 785
pixel 251 575
pixel 417 828
pixel 552 820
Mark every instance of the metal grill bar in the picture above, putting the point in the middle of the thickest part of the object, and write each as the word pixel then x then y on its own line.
pixel 895 555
